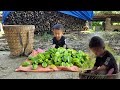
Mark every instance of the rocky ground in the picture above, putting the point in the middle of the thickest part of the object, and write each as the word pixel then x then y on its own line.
pixel 80 42
pixel 8 65
pixel 75 41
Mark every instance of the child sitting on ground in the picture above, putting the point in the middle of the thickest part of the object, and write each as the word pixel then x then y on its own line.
pixel 104 59
pixel 58 39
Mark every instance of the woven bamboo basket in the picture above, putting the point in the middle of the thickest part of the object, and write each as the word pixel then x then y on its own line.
pixel 87 75
pixel 99 76
pixel 92 76
pixel 19 38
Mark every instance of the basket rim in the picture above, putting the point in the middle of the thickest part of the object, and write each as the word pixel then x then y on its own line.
pixel 19 25
pixel 87 74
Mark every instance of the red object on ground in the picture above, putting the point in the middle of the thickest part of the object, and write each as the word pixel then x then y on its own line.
pixel 34 53
pixel 47 69
pixel 40 51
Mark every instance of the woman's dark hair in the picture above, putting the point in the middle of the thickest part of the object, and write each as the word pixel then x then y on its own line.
pixel 96 41
pixel 58 27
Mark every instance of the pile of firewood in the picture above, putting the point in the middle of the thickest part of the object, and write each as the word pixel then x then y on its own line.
pixel 44 20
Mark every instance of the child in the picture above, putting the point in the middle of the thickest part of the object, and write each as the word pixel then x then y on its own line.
pixel 104 59
pixel 58 39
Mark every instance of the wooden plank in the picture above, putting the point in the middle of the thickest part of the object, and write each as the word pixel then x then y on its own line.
pixel 114 17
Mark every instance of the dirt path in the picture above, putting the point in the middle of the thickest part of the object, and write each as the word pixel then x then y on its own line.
pixel 8 65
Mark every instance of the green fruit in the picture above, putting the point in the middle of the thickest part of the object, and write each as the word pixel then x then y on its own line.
pixel 69 59
pixel 71 64
pixel 52 55
pixel 75 60
pixel 57 54
pixel 47 56
pixel 35 62
pixel 34 66
pixel 82 61
pixel 74 52
pixel 61 57
pixel 46 60
pixel 63 64
pixel 44 64
pixel 67 65
pixel 25 64
pixel 40 61
pixel 52 66
pixel 59 60
pixel 30 57
pixel 65 58
pixel 41 56
pixel 50 62
pixel 78 64
pixel 57 63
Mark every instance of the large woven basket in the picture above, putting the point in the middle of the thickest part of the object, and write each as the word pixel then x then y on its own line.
pixel 92 76
pixel 17 37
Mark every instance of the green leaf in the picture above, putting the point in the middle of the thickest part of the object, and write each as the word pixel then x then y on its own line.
pixel 41 56
pixel 50 62
pixel 67 65
pixel 25 64
pixel 40 61
pixel 57 63
pixel 34 66
pixel 57 54
pixel 71 64
pixel 30 57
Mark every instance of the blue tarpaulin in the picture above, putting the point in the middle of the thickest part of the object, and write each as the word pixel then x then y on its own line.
pixel 85 15
pixel 5 14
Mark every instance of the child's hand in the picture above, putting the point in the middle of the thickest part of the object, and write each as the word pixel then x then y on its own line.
pixel 53 46
pixel 94 72
pixel 64 46
pixel 87 71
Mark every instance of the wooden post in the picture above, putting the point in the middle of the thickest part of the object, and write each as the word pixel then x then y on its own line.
pixel 108 24
pixel 1 28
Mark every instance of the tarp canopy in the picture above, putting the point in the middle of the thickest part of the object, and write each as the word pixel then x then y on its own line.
pixel 85 15
pixel 5 14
